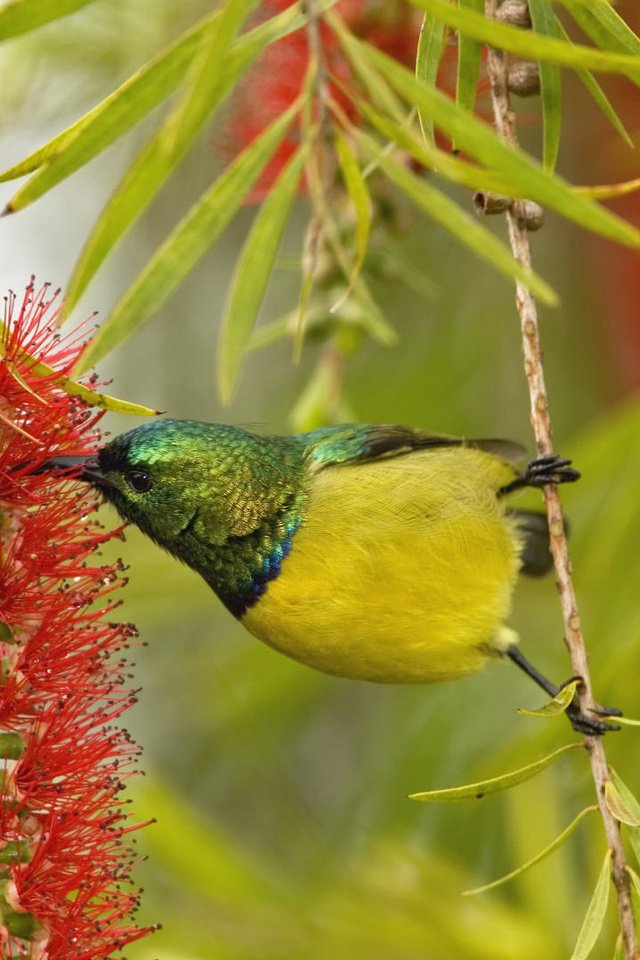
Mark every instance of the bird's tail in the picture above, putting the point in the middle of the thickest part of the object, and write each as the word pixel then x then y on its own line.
pixel 536 556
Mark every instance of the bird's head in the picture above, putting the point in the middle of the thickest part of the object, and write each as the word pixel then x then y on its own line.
pixel 178 477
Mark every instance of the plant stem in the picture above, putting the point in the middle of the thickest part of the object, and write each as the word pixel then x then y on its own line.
pixel 540 418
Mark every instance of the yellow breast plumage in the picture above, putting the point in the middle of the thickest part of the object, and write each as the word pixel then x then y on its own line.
pixel 401 572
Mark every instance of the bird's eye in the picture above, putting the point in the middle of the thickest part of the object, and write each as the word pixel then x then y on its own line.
pixel 138 480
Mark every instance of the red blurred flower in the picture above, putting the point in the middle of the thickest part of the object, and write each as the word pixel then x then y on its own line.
pixel 277 79
pixel 64 865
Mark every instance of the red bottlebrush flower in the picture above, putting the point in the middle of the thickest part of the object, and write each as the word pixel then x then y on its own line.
pixel 64 864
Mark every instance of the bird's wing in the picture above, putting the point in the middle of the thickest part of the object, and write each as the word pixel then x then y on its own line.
pixel 363 443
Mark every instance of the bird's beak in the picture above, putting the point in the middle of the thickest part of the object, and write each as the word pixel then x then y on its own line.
pixel 89 468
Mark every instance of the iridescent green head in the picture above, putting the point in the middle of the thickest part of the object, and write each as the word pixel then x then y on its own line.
pixel 193 486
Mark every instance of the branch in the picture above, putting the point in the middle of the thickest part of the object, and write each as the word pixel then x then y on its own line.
pixel 540 418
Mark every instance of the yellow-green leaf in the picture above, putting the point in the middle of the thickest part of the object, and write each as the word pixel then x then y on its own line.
pixel 635 880
pixel 428 57
pixel 559 704
pixel 621 801
pixel 252 272
pixel 475 791
pixel 463 225
pixel 606 28
pixel 596 912
pixel 553 846
pixel 20 16
pixel 359 195
pixel 544 21
pixel 115 115
pixel 527 177
pixel 188 243
pixel 469 58
pixel 534 46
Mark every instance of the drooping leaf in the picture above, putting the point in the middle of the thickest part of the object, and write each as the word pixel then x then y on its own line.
pixel 534 46
pixel 469 59
pixel 190 240
pixel 428 57
pixel 359 195
pixel 528 178
pixel 476 791
pixel 155 162
pixel 463 225
pixel 557 705
pixel 252 272
pixel 621 802
pixel 596 912
pixel 20 16
pixel 600 98
pixel 553 846
pixel 544 21
pixel 115 115
pixel 606 28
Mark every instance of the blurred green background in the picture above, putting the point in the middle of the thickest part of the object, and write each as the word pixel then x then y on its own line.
pixel 284 828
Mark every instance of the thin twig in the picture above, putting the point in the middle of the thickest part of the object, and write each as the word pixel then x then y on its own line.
pixel 541 421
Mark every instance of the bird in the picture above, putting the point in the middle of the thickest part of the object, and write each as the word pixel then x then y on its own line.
pixel 374 552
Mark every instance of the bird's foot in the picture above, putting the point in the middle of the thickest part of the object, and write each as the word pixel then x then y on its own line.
pixel 548 468
pixel 591 726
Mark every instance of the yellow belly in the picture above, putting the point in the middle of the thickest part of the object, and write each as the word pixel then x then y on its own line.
pixel 402 571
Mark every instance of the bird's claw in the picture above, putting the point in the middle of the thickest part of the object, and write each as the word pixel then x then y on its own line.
pixel 591 726
pixel 549 468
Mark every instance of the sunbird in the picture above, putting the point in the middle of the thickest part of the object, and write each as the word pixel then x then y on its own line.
pixel 368 551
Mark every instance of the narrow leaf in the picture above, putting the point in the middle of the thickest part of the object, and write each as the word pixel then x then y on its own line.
pixel 596 911
pixel 606 28
pixel 533 46
pixel 635 880
pixel 553 846
pixel 601 100
pixel 559 704
pixel 471 791
pixel 188 243
pixel 528 178
pixel 464 226
pixel 116 114
pixel 206 78
pixel 633 834
pixel 153 164
pixel 625 721
pixel 621 801
pixel 469 59
pixel 544 21
pixel 252 272
pixel 20 16
pixel 428 57
pixel 93 398
pixel 359 195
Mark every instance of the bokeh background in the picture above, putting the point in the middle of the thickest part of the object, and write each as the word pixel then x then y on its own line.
pixel 284 828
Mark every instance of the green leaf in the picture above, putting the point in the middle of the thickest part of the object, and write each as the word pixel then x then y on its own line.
pixel 533 46
pixel 475 791
pixel 599 96
pixel 596 911
pixel 625 721
pixel 469 58
pixel 252 273
pixel 431 157
pixel 359 195
pixel 205 81
pixel 428 57
pixel 553 846
pixel 606 28
pixel 634 839
pixel 188 243
pixel 93 398
pixel 463 225
pixel 621 802
pixel 156 161
pixel 528 178
pixel 559 704
pixel 544 22
pixel 20 16
pixel 635 880
pixel 115 115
